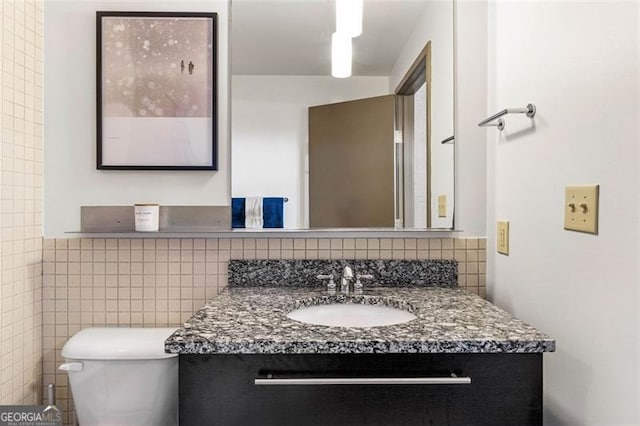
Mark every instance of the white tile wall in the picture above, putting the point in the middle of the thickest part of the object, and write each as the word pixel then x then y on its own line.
pixel 21 30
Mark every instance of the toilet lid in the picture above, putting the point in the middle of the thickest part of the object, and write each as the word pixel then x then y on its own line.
pixel 109 343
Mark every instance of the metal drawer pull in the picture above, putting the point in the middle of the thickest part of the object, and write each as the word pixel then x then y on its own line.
pixel 453 380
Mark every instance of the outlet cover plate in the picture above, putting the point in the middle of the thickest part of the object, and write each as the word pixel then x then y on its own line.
pixel 502 241
pixel 581 208
pixel 442 205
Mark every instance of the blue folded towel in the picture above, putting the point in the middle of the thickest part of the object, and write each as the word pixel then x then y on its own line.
pixel 272 212
pixel 237 212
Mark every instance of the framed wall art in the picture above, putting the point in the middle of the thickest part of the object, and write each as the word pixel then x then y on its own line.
pixel 156 91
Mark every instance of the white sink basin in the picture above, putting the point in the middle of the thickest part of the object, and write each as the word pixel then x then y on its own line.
pixel 351 315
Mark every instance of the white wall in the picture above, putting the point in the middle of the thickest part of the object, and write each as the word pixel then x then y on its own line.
pixel 471 60
pixel 470 76
pixel 71 178
pixel 270 132
pixel 578 62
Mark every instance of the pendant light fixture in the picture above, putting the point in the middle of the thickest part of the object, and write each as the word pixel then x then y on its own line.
pixel 348 25
pixel 341 55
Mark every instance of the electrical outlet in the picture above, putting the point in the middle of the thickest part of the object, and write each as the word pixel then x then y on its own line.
pixel 581 208
pixel 442 205
pixel 502 242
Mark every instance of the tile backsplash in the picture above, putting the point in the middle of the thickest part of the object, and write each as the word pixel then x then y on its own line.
pixel 161 282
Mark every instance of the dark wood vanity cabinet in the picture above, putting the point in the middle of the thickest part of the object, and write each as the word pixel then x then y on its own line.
pixel 505 389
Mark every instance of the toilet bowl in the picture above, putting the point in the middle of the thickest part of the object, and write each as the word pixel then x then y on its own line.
pixel 122 376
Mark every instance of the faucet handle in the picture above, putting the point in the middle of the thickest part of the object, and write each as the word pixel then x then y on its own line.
pixel 358 283
pixel 331 285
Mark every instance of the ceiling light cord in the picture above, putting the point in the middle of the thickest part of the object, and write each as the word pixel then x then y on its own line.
pixel 349 17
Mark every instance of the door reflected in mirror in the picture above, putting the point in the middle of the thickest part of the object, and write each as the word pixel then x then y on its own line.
pixel 360 152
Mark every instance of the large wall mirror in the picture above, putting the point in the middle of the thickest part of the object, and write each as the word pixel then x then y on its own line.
pixel 375 150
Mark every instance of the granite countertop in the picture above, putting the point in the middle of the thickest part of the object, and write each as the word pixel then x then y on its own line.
pixel 252 320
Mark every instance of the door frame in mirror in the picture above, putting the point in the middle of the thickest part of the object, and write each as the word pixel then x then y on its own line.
pixel 418 74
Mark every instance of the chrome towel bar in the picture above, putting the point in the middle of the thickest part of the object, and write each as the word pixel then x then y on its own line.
pixel 530 111
pixel 450 139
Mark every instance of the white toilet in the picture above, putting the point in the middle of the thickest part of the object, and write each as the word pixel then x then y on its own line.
pixel 122 376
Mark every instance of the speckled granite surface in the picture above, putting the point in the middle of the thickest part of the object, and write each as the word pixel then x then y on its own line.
pixel 253 320
pixel 302 273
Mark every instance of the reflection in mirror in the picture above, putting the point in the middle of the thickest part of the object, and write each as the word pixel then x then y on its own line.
pixel 359 152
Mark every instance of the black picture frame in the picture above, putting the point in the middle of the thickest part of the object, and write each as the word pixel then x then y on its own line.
pixel 150 116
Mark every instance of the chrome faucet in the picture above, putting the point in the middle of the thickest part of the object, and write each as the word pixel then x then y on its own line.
pixel 347 276
pixel 346 286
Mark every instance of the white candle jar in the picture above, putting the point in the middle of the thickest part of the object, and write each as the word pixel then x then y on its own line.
pixel 147 217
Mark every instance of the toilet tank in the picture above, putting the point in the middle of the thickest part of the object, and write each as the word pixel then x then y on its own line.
pixel 122 376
